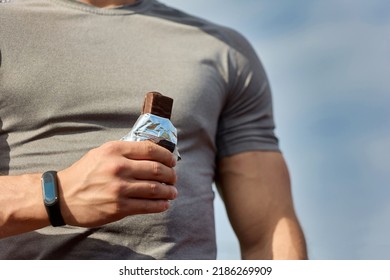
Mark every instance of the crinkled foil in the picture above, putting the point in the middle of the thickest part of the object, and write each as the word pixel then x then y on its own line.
pixel 154 128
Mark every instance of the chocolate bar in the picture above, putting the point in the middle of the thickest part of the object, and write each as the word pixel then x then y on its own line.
pixel 157 104
pixel 154 123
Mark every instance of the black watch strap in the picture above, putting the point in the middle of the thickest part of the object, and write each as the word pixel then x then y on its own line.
pixel 55 216
pixel 51 198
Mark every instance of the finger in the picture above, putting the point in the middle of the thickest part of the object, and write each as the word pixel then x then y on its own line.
pixel 147 170
pixel 145 206
pixel 144 150
pixel 150 190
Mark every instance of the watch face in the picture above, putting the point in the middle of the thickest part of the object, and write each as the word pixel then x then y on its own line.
pixel 49 189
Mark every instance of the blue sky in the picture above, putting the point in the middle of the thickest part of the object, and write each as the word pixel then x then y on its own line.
pixel 328 63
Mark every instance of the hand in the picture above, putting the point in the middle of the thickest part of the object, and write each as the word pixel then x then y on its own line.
pixel 115 180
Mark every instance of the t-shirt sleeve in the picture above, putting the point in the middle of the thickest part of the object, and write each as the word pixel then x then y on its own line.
pixel 246 122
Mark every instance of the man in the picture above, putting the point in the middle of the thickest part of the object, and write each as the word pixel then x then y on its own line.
pixel 73 76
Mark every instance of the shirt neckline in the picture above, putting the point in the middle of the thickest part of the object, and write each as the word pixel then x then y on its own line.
pixel 140 6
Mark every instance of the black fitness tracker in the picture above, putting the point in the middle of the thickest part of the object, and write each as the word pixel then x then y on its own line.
pixel 51 198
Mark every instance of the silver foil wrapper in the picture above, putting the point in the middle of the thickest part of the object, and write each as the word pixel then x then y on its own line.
pixel 153 128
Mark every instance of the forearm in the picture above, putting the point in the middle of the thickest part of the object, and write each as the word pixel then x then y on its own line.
pixel 22 207
pixel 108 183
pixel 285 242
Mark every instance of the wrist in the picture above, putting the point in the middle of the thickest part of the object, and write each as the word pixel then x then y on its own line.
pixel 22 207
pixel 32 209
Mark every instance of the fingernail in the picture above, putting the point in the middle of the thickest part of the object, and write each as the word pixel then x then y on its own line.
pixel 174 193
pixel 173 160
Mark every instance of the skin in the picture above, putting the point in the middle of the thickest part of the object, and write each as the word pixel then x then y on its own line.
pixel 126 178
pixel 255 187
pixel 108 183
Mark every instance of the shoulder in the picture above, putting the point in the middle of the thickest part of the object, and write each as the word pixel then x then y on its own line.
pixel 226 35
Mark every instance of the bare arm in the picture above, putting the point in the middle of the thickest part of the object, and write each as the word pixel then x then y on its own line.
pixel 255 187
pixel 107 184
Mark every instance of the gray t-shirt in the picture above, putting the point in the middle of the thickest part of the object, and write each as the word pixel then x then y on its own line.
pixel 73 77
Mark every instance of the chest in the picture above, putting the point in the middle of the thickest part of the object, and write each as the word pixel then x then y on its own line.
pixel 78 67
